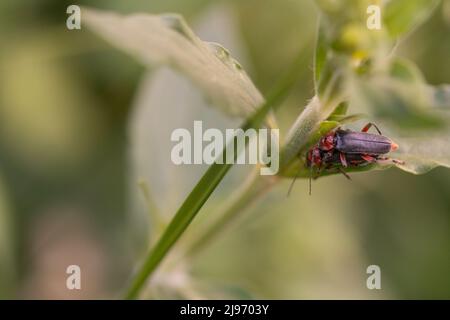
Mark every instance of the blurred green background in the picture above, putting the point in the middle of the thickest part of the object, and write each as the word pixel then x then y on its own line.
pixel 66 183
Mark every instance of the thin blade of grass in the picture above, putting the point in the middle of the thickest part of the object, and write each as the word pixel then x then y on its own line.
pixel 208 183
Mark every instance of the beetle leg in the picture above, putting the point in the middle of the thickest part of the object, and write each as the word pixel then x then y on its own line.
pixel 345 174
pixel 343 159
pixel 311 177
pixel 369 125
pixel 396 161
pixel 368 158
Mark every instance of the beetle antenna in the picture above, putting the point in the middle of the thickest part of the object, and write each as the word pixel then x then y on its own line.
pixel 310 182
pixel 345 173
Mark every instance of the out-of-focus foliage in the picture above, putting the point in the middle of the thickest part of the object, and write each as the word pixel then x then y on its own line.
pixel 51 121
pixel 403 16
pixel 390 89
pixel 7 245
pixel 167 39
pixel 66 103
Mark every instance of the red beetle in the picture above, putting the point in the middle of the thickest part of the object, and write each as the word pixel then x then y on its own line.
pixel 343 148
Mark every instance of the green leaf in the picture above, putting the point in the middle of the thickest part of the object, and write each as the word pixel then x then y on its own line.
pixel 418 106
pixel 167 40
pixel 402 16
pixel 399 96
pixel 421 154
pixel 347 119
pixel 439 96
pixel 406 71
pixel 339 112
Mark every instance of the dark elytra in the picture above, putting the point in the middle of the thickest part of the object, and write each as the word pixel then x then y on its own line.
pixel 351 142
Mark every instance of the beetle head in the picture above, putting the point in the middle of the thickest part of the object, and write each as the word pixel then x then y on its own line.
pixel 327 142
pixel 314 157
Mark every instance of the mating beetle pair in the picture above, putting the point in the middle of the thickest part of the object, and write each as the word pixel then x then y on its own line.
pixel 344 148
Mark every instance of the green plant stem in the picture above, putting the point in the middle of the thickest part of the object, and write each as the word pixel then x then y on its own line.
pixel 156 219
pixel 318 110
pixel 301 130
pixel 251 190
pixel 207 184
